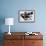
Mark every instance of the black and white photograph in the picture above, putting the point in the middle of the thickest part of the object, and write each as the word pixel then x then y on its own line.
pixel 26 15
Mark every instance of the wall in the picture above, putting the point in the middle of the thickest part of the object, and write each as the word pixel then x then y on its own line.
pixel 9 8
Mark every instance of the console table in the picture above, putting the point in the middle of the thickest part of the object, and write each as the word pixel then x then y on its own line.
pixel 21 39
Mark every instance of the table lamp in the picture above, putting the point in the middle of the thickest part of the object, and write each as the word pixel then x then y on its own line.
pixel 9 21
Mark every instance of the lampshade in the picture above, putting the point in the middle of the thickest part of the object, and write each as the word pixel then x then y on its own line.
pixel 9 21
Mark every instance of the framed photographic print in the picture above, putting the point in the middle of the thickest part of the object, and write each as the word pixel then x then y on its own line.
pixel 26 16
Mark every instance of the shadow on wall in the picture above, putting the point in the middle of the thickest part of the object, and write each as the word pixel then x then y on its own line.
pixel 2 21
